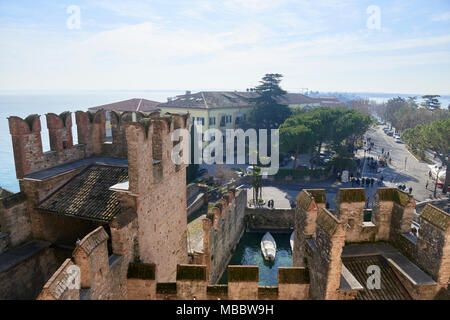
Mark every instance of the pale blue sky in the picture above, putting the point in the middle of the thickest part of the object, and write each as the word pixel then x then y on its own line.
pixel 225 44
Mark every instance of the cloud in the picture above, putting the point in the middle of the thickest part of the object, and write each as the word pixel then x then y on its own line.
pixel 228 49
pixel 445 16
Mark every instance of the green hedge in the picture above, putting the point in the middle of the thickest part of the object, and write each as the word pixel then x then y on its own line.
pixel 295 173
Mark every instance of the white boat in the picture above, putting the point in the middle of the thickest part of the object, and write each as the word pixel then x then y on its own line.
pixel 291 241
pixel 268 247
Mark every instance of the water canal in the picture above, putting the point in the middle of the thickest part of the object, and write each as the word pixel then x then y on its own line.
pixel 248 252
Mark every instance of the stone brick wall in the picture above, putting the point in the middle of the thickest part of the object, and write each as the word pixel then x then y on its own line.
pixel 102 277
pixel 243 282
pixel 58 286
pixel 326 265
pixel 91 131
pixel 118 121
pixel 305 216
pixel 263 218
pixel 25 280
pixel 393 212
pixel 293 283
pixel 15 219
pixel 434 244
pixel 350 210
pixel 223 234
pixel 60 131
pixel 4 242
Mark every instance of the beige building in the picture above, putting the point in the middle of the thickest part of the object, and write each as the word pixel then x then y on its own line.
pixel 224 109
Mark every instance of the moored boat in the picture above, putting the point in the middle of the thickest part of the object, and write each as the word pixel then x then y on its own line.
pixel 268 247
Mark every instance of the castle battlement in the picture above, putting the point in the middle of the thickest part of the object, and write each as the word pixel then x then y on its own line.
pixel 113 277
pixel 91 129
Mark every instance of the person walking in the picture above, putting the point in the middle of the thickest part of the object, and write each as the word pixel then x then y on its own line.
pixel 426 186
pixel 410 190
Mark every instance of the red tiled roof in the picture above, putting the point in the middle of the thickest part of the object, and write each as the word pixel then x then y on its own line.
pixel 130 105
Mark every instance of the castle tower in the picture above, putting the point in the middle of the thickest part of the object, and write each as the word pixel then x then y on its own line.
pixel 160 192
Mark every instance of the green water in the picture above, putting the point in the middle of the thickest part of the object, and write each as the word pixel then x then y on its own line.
pixel 248 252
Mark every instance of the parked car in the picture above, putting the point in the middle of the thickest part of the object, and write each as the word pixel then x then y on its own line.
pixel 398 140
pixel 390 133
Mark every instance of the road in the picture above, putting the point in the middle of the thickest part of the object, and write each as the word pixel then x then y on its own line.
pixel 404 168
pixel 414 174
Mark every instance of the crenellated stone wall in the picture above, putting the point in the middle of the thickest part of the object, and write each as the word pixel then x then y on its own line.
pixel 305 217
pixel 101 276
pixel 222 231
pixel 326 265
pixel 433 247
pixel 192 283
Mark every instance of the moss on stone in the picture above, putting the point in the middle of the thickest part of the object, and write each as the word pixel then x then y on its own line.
pixel 30 119
pixel 293 275
pixel 327 221
pixel 191 272
pixel 146 123
pixel 319 195
pixel 64 116
pixel 392 194
pixel 436 216
pixel 267 291
pixel 304 199
pixel 217 290
pixel 243 273
pixel 141 271
pixel 352 195
pixel 166 288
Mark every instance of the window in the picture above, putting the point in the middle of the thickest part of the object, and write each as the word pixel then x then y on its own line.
pixel 228 119
pixel 212 121
pixel 201 120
